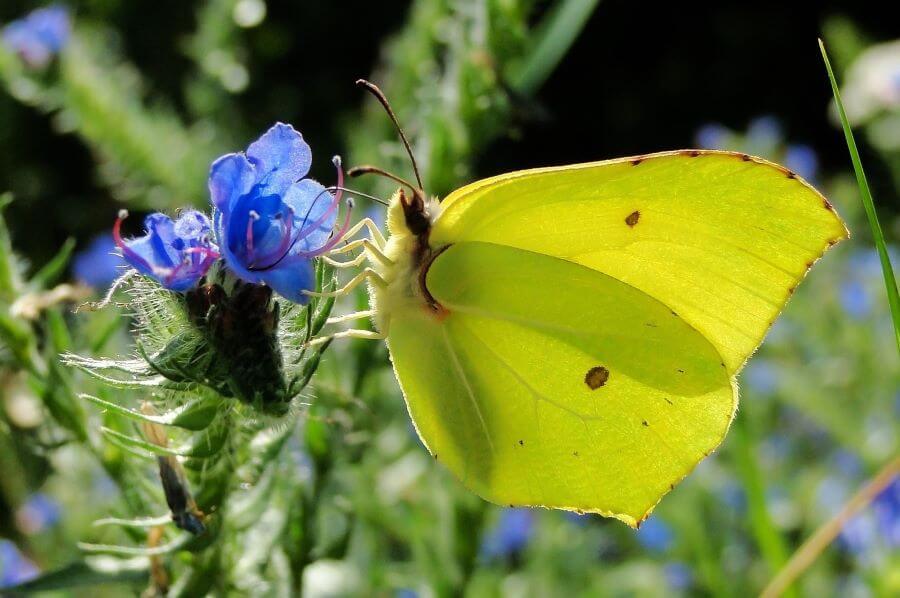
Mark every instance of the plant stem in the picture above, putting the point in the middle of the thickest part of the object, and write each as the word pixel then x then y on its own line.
pixel 819 541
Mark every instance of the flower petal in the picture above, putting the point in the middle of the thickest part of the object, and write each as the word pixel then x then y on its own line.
pixel 52 25
pixel 260 230
pixel 98 264
pixel 281 157
pixel 310 202
pixel 290 279
pixel 230 177
pixel 192 227
pixel 161 234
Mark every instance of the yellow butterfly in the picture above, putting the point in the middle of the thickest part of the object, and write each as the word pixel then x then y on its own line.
pixel 569 337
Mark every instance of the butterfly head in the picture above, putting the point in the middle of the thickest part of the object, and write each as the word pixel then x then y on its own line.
pixel 410 213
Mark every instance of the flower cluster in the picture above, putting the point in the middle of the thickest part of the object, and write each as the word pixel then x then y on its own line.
pixel 269 222
pixel 176 253
pixel 39 36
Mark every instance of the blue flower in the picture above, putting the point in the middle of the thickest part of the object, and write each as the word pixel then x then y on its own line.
pixel 802 159
pixel 97 265
pixel 38 513
pixel 177 254
pixel 764 131
pixel 39 36
pixel 762 376
pixel 886 507
pixel 655 535
pixel 14 567
pixel 270 221
pixel 734 496
pixel 855 299
pixel 512 533
pixel 712 136
pixel 678 575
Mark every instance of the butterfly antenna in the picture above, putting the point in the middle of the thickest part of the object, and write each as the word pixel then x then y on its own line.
pixel 367 169
pixel 379 95
pixel 360 193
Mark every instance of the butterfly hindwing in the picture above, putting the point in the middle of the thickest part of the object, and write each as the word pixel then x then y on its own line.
pixel 547 383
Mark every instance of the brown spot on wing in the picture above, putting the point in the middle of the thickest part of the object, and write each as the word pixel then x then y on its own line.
pixel 596 377
pixel 633 218
pixel 636 161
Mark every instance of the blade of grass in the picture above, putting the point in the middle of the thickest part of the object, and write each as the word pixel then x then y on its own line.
pixel 769 540
pixel 810 550
pixel 889 280
pixel 556 34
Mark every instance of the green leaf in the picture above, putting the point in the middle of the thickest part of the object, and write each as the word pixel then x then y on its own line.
pixel 8 274
pixel 89 572
pixel 56 267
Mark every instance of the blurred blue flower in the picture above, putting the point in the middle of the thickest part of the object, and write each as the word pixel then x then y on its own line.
pixel 406 593
pixel 177 254
pixel 270 221
pixel 97 265
pixel 847 463
pixel 712 136
pixel 859 535
pixel 866 263
pixel 14 567
pixel 655 535
pixel 733 495
pixel 776 447
pixel 762 376
pixel 38 513
pixel 886 508
pixel 832 492
pixel 579 519
pixel 803 160
pixel 39 35
pixel 764 132
pixel 510 535
pixel 855 299
pixel 678 575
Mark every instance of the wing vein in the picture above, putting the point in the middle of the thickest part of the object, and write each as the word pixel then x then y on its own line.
pixel 457 366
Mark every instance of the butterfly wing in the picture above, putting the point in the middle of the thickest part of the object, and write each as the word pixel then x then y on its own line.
pixel 551 384
pixel 721 238
pixel 596 316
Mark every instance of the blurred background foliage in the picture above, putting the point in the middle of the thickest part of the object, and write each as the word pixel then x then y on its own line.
pixel 343 499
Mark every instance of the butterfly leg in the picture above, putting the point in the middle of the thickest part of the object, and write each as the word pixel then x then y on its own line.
pixel 359 315
pixel 367 274
pixel 374 232
pixel 370 252
pixel 352 333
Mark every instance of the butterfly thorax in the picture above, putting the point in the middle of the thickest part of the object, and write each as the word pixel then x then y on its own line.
pixel 409 221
